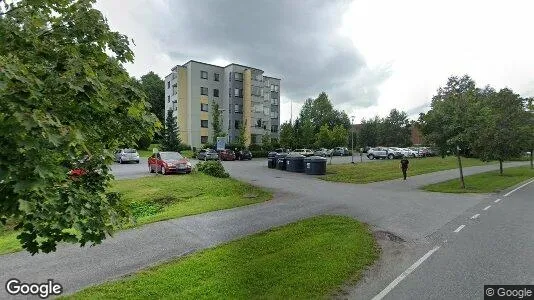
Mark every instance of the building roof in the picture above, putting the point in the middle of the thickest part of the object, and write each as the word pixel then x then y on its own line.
pixel 203 63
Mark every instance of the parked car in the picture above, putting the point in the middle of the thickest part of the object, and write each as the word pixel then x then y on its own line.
pixel 207 154
pixel 226 154
pixel 168 162
pixel 397 153
pixel 126 155
pixel 323 152
pixel 340 151
pixel 305 152
pixel 245 154
pixel 380 152
pixel 281 150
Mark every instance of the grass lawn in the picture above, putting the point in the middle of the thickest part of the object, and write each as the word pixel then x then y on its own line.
pixel 159 198
pixel 489 182
pixel 390 169
pixel 308 259
pixel 148 152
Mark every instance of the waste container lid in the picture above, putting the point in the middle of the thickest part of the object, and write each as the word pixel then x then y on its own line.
pixel 315 159
pixel 271 154
pixel 281 154
pixel 295 155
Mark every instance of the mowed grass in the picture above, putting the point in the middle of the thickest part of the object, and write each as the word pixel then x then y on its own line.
pixel 489 182
pixel 158 198
pixel 309 259
pixel 390 169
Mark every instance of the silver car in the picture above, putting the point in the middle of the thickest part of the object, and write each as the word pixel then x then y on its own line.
pixel 207 154
pixel 126 155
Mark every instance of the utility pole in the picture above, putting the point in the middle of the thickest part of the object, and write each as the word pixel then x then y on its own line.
pixel 352 138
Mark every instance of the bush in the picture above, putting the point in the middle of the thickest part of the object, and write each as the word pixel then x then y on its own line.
pixel 184 147
pixel 144 142
pixel 260 153
pixel 209 146
pixel 233 146
pixel 254 147
pixel 212 168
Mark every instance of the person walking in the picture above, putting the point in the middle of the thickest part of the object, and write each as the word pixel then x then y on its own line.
pixel 404 166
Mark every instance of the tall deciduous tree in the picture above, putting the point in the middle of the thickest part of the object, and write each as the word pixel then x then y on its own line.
pixel 339 136
pixel 154 88
pixel 64 95
pixel 171 140
pixel 323 138
pixel 287 135
pixel 216 122
pixel 395 129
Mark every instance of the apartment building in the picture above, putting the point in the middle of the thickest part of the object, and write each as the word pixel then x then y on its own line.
pixel 246 97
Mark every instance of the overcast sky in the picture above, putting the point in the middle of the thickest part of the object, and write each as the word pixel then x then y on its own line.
pixel 369 56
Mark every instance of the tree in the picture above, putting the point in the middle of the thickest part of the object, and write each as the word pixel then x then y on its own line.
pixel 154 87
pixel 65 95
pixel 170 141
pixel 305 135
pixel 528 129
pixel 240 138
pixel 323 138
pixel 497 133
pixel 287 135
pixel 266 142
pixel 216 122
pixel 452 113
pixel 339 136
pixel 369 132
pixel 395 129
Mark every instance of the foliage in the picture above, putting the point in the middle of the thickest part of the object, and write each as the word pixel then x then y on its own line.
pixel 369 134
pixel 240 139
pixel 287 136
pixel 259 153
pixel 275 143
pixel 212 168
pixel 170 141
pixel 323 139
pixel 320 111
pixel 304 133
pixel 154 88
pixel 265 142
pixel 255 147
pixel 393 130
pixel 216 122
pixel 144 142
pixel 308 259
pixel 64 95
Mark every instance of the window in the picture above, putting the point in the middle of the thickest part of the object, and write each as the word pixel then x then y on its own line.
pixel 168 84
pixel 215 93
pixel 204 91
pixel 274 101
pixel 258 123
pixel 274 128
pixel 272 87
pixel 204 139
pixel 204 123
pixel 238 76
pixel 216 76
pixel 203 74
pixel 236 124
pixel 276 87
pixel 238 109
pixel 266 111
pixel 256 91
pixel 274 95
pixel 259 77
pixel 274 114
pixel 238 93
pixel 174 89
pixel 258 108
pixel 168 99
pixel 203 106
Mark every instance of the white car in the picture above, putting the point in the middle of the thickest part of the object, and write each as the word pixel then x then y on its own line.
pixel 409 152
pixel 305 152
pixel 126 155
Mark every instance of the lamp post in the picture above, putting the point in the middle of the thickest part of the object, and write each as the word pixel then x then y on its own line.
pixel 352 138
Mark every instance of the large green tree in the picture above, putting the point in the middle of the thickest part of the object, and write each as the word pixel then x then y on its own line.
pixel 287 135
pixel 64 95
pixel 395 129
pixel 323 138
pixel 171 139
pixel 154 87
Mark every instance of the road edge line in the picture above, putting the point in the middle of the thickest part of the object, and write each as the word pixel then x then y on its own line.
pixel 517 188
pixel 407 272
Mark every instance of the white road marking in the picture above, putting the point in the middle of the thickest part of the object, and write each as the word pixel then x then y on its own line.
pixel 508 194
pixel 486 208
pixel 475 216
pixel 459 228
pixel 397 280
pixel 497 201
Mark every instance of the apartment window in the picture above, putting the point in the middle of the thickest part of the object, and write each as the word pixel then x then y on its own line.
pixel 238 109
pixel 238 76
pixel 276 88
pixel 274 114
pixel 274 128
pixel 238 93
pixel 274 95
pixel 272 87
pixel 168 99
pixel 258 108
pixel 168 84
pixel 204 123
pixel 259 77
pixel 258 123
pixel 203 74
pixel 204 91
pixel 203 106
pixel 215 93
pixel 236 124
pixel 274 101
pixel 266 111
pixel 174 89
pixel 216 76
pixel 204 139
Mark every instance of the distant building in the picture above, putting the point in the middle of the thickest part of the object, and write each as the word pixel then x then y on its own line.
pixel 246 97
pixel 416 136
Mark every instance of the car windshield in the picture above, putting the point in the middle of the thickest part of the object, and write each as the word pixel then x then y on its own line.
pixel 171 156
pixel 130 151
pixel 211 151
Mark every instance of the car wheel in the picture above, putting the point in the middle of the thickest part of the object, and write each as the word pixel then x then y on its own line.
pixel 390 156
pixel 136 161
pixel 150 170
pixel 371 157
pixel 163 172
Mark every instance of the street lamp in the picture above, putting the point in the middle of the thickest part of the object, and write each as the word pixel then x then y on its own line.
pixel 352 138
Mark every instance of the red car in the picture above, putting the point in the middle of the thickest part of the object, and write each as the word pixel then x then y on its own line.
pixel 226 154
pixel 168 162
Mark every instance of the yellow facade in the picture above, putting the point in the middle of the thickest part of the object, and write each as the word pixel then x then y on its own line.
pixel 247 104
pixel 183 105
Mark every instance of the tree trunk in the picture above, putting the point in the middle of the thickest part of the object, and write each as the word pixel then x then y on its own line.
pixel 461 170
pixel 500 166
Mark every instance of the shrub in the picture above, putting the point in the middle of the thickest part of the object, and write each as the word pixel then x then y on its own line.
pixel 209 146
pixel 212 168
pixel 144 142
pixel 260 153
pixel 254 147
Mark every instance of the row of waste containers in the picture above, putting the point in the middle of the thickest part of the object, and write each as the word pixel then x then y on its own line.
pixel 294 162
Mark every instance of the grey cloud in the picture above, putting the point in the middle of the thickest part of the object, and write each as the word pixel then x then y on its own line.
pixel 296 41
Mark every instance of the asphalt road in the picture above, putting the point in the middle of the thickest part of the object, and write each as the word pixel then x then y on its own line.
pixel 494 246
pixel 396 207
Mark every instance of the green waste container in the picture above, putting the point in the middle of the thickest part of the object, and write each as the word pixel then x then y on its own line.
pixel 315 165
pixel 295 163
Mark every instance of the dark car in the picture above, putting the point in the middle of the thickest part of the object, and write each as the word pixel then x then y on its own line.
pixel 245 154
pixel 226 154
pixel 168 162
pixel 281 150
